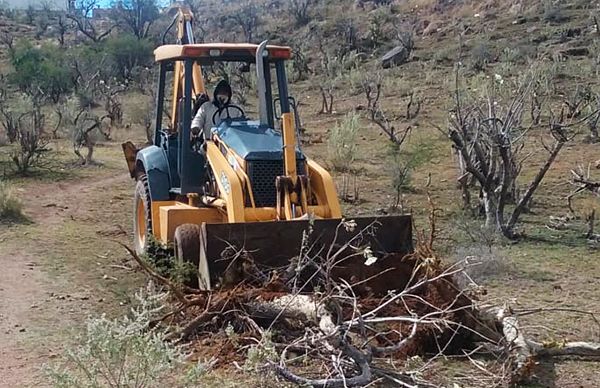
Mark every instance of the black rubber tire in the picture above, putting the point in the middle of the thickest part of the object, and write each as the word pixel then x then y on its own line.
pixel 187 248
pixel 142 208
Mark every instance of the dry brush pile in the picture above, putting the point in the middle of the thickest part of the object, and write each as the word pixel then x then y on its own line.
pixel 311 324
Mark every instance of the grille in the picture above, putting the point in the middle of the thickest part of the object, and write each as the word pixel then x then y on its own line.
pixel 262 174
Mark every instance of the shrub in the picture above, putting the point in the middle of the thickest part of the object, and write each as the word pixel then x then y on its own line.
pixel 11 208
pixel 554 13
pixel 161 259
pixel 483 264
pixel 40 69
pixel 300 11
pixel 32 150
pixel 125 352
pixel 481 55
pixel 341 144
pixel 378 33
pixel 517 55
pixel 125 53
pixel 260 354
pixel 403 162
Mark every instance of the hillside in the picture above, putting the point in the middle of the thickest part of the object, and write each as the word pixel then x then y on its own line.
pixel 489 75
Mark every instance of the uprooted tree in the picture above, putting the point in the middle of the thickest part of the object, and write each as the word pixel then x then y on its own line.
pixel 387 309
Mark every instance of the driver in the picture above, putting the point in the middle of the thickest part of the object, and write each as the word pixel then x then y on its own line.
pixel 203 121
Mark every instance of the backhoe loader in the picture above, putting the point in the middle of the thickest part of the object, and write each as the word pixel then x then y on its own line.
pixel 248 186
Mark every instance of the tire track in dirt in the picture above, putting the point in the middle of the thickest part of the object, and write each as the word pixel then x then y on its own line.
pixel 24 284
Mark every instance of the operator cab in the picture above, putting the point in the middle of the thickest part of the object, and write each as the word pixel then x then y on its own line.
pixel 253 146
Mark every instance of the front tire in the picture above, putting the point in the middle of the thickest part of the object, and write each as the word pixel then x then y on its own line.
pixel 190 248
pixel 142 217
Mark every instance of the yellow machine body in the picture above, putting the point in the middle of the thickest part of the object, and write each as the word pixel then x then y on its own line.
pixel 202 223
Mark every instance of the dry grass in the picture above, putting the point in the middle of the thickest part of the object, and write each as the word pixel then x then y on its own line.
pixel 11 207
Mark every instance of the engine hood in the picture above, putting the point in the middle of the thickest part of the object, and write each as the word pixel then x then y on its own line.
pixel 252 141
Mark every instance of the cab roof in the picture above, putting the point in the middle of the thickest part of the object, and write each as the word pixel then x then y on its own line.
pixel 219 52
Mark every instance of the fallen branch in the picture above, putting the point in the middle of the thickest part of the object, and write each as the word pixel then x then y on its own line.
pixel 361 360
pixel 178 290
pixel 582 349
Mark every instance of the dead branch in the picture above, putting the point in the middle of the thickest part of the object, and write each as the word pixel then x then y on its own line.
pixel 326 99
pixel 524 352
pixel 360 359
pixel 581 349
pixel 178 290
pixel 386 121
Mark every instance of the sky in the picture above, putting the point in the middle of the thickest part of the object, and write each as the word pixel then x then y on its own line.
pixel 108 3
pixel 62 3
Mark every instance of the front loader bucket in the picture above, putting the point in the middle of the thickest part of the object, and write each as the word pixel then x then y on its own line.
pixel 275 244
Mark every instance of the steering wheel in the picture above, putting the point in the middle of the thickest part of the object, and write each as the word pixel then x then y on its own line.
pixel 226 109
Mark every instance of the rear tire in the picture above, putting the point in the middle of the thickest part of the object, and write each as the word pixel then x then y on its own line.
pixel 142 217
pixel 190 248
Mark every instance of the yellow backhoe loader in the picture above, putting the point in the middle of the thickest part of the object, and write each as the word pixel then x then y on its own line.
pixel 248 185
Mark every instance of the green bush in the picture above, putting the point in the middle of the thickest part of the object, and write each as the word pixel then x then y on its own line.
pixel 127 352
pixel 341 144
pixel 481 55
pixel 554 13
pixel 125 53
pixel 403 161
pixel 40 69
pixel 517 55
pixel 11 208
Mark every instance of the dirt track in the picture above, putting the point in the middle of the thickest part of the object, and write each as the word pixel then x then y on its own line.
pixel 36 307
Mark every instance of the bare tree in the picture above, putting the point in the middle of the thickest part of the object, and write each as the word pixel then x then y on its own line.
pixel 142 114
pixel 8 39
pixel 247 17
pixel 489 136
pixel 330 67
pixel 83 135
pixel 393 124
pixel 62 27
pixel 137 16
pixel 347 34
pixel 299 10
pixel 327 95
pixel 82 16
pixel 30 13
pixel 42 23
pixel 88 78
pixel 112 103
pixel 32 146
pixel 577 101
pixel 582 179
pixel 594 121
pixel 8 117
pixel 300 62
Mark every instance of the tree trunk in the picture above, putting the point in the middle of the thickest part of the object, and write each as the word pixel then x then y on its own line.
pixel 490 206
pixel 508 230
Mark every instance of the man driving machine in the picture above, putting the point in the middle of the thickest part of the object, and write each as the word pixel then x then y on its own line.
pixel 211 113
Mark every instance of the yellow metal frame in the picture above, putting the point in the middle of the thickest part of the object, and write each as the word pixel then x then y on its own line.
pixel 231 178
pixel 185 16
pixel 202 50
pixel 323 187
pixel 228 182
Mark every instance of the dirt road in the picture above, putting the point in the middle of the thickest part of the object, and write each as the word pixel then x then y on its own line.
pixel 48 280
